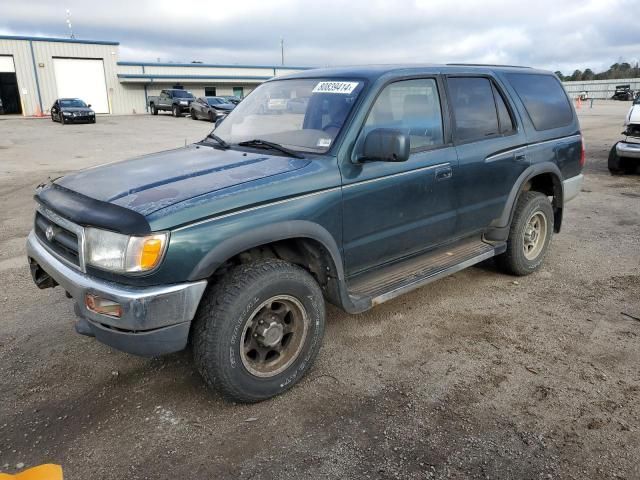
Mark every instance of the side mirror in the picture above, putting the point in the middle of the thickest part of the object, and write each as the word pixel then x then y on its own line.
pixel 387 145
pixel 89 106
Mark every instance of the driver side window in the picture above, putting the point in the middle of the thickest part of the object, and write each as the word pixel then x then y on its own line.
pixel 413 107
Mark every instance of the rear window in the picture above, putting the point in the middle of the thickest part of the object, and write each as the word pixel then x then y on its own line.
pixel 543 98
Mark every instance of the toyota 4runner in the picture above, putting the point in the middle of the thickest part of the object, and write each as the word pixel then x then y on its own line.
pixel 388 178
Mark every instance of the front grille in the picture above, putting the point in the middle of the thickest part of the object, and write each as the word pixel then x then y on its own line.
pixel 62 241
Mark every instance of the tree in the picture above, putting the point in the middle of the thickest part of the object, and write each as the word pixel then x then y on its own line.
pixel 588 74
pixel 577 75
pixel 559 75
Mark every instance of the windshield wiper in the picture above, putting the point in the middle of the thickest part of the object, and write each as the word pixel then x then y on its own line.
pixel 219 141
pixel 258 143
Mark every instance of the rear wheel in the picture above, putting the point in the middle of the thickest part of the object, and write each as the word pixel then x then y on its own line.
pixel 258 330
pixel 154 109
pixel 529 235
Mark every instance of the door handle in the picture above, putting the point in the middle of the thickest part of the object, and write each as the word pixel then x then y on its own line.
pixel 520 157
pixel 443 173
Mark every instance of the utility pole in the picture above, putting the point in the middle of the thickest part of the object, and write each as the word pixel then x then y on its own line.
pixel 282 50
pixel 69 24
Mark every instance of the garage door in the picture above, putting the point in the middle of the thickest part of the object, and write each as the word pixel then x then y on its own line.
pixel 84 79
pixel 6 64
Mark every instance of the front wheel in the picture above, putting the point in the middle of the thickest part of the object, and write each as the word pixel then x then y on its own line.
pixel 258 330
pixel 193 115
pixel 176 111
pixel 529 235
pixel 212 117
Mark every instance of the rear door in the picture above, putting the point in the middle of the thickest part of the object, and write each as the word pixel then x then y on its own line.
pixel 491 148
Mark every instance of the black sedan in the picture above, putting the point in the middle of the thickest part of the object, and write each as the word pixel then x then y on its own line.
pixel 210 108
pixel 72 110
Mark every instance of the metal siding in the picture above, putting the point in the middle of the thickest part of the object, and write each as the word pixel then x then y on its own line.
pixel 600 89
pixel 21 53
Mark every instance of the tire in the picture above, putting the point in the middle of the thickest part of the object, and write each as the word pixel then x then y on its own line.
pixel 614 162
pixel 62 121
pixel 225 349
pixel 521 258
pixel 212 117
pixel 193 115
pixel 52 119
pixel 176 111
pixel 154 109
pixel 620 165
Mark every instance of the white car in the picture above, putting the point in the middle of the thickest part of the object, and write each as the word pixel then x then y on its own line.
pixel 624 156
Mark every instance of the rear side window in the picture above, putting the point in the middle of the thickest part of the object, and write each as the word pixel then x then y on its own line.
pixel 504 117
pixel 474 108
pixel 543 98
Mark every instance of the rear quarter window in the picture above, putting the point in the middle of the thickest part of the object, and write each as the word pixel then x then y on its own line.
pixel 543 98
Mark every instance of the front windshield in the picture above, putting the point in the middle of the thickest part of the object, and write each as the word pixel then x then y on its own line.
pixel 182 94
pixel 73 103
pixel 301 114
pixel 215 101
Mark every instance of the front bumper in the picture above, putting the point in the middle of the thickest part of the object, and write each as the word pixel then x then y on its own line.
pixel 628 150
pixel 79 118
pixel 155 320
pixel 571 187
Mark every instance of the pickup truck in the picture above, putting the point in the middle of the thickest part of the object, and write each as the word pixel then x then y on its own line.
pixel 391 177
pixel 176 101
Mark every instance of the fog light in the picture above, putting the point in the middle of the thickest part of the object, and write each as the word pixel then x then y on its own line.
pixel 102 306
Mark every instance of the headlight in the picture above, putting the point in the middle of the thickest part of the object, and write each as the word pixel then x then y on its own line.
pixel 67 113
pixel 123 253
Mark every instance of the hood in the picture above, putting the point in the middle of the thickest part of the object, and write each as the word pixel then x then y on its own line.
pixel 224 106
pixel 76 109
pixel 634 115
pixel 152 182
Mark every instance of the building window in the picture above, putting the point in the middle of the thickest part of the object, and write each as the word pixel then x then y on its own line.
pixel 238 92
pixel 209 91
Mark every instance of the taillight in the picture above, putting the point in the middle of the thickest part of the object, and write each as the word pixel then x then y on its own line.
pixel 583 158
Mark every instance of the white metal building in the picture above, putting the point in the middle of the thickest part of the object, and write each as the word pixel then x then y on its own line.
pixel 34 71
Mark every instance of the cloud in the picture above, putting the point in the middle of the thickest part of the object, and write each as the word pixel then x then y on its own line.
pixel 547 33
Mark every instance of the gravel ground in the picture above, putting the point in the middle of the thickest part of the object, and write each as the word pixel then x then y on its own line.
pixel 479 375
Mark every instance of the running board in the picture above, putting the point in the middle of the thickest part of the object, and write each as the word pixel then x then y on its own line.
pixel 373 288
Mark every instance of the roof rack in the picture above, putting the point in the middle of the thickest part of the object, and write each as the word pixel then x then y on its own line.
pixel 484 65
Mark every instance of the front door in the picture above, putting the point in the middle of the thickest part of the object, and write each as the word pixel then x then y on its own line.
pixel 392 210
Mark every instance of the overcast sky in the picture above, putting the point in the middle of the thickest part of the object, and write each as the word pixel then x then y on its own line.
pixel 558 35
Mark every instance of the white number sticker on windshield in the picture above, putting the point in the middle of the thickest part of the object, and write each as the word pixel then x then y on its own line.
pixel 335 87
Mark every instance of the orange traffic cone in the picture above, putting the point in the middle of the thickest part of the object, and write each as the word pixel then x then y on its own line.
pixel 39 113
pixel 42 472
pixel 578 103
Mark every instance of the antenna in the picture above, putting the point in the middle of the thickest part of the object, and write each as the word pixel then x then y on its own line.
pixel 69 24
pixel 282 50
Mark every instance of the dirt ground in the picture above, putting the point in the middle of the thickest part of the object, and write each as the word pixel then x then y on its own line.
pixel 479 375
